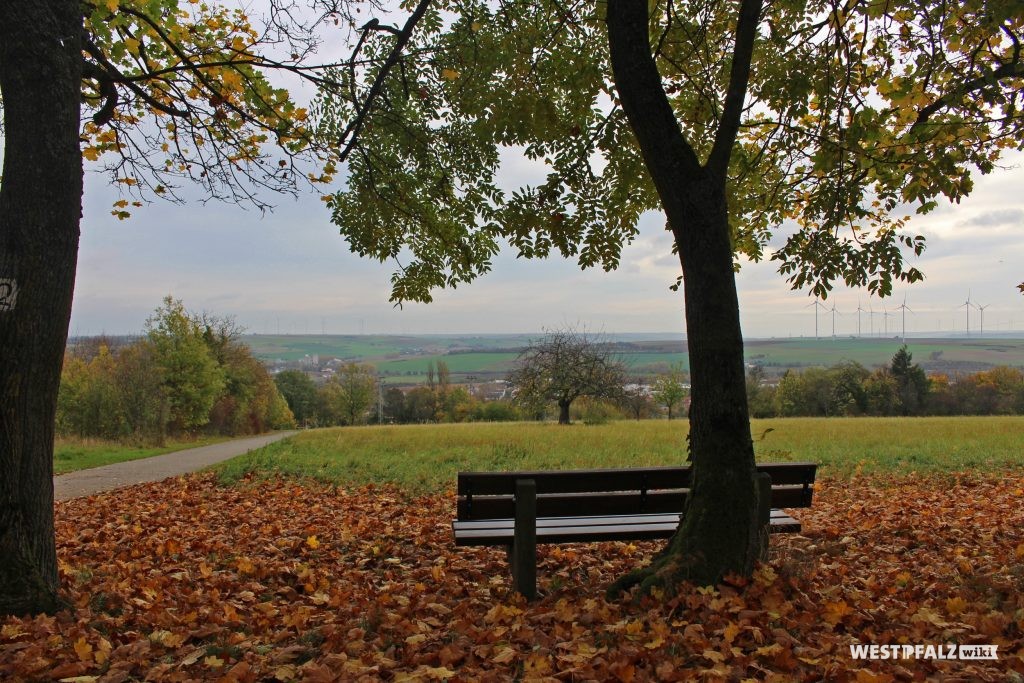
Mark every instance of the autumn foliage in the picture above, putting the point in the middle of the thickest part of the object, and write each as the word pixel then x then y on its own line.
pixel 187 580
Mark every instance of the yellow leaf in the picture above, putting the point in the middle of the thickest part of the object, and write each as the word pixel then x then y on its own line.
pixel 312 542
pixel 231 79
pixel 654 644
pixel 634 629
pixel 868 676
pixel 132 45
pixel 835 611
pixel 12 631
pixel 213 662
pixel 416 639
pixel 83 649
pixel 166 638
pixel 955 606
pixel 505 656
pixel 1019 553
pixel 449 74
pixel 111 5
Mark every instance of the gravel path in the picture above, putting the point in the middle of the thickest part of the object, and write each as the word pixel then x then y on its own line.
pixel 108 477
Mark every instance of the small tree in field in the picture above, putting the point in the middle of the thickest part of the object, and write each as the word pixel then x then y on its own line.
pixel 669 390
pixel 636 400
pixel 563 366
pixel 349 395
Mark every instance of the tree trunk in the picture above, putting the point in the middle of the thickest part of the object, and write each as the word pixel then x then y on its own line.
pixel 40 209
pixel 719 533
pixel 563 412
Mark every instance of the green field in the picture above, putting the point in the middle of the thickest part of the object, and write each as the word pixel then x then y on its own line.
pixel 405 359
pixel 425 458
pixel 366 348
pixel 70 455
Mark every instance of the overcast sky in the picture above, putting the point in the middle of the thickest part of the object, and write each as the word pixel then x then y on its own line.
pixel 291 271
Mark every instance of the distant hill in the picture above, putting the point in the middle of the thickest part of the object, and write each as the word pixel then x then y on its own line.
pixel 481 357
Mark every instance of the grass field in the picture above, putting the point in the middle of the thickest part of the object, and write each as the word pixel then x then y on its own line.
pixel 70 455
pixel 425 458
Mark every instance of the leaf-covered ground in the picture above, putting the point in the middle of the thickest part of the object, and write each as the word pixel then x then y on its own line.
pixel 186 580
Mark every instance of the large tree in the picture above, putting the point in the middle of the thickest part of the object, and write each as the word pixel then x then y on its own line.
pixel 824 122
pixel 157 94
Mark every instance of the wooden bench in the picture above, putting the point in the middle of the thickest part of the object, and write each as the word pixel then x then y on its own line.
pixel 520 509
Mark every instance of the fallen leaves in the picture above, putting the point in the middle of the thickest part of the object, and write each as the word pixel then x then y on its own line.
pixel 184 580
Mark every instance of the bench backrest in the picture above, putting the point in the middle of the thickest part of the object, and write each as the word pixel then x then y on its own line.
pixel 635 490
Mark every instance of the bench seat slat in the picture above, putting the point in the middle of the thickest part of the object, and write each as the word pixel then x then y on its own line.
pixel 588 520
pixel 611 503
pixel 580 481
pixel 591 528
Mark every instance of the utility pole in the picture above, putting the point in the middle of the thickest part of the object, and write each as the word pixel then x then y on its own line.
pixel 380 399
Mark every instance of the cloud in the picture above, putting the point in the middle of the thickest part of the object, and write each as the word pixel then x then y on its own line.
pixel 995 219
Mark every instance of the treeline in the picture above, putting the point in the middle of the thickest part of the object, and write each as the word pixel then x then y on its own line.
pixel 189 374
pixel 353 397
pixel 902 388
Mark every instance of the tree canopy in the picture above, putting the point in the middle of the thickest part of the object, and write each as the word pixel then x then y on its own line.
pixel 856 115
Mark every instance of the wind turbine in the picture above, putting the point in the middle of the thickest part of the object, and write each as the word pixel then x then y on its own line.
pixel 859 311
pixel 871 318
pixel 967 309
pixel 982 309
pixel 834 314
pixel 817 304
pixel 885 319
pixel 905 308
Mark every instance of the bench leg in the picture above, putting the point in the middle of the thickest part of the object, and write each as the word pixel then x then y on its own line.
pixel 524 544
pixel 763 480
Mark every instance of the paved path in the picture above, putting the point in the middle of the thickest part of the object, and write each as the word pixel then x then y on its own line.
pixel 108 477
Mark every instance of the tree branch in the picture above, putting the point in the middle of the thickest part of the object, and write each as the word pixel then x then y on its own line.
pixel 1011 70
pixel 739 77
pixel 639 85
pixel 350 135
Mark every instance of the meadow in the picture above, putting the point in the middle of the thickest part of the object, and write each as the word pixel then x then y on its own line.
pixel 425 458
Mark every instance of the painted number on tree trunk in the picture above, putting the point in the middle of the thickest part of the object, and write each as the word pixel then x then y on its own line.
pixel 8 294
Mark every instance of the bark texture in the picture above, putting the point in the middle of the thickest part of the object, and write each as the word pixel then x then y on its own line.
pixel 40 209
pixel 720 532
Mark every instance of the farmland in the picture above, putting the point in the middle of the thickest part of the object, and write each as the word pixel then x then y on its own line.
pixel 405 359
